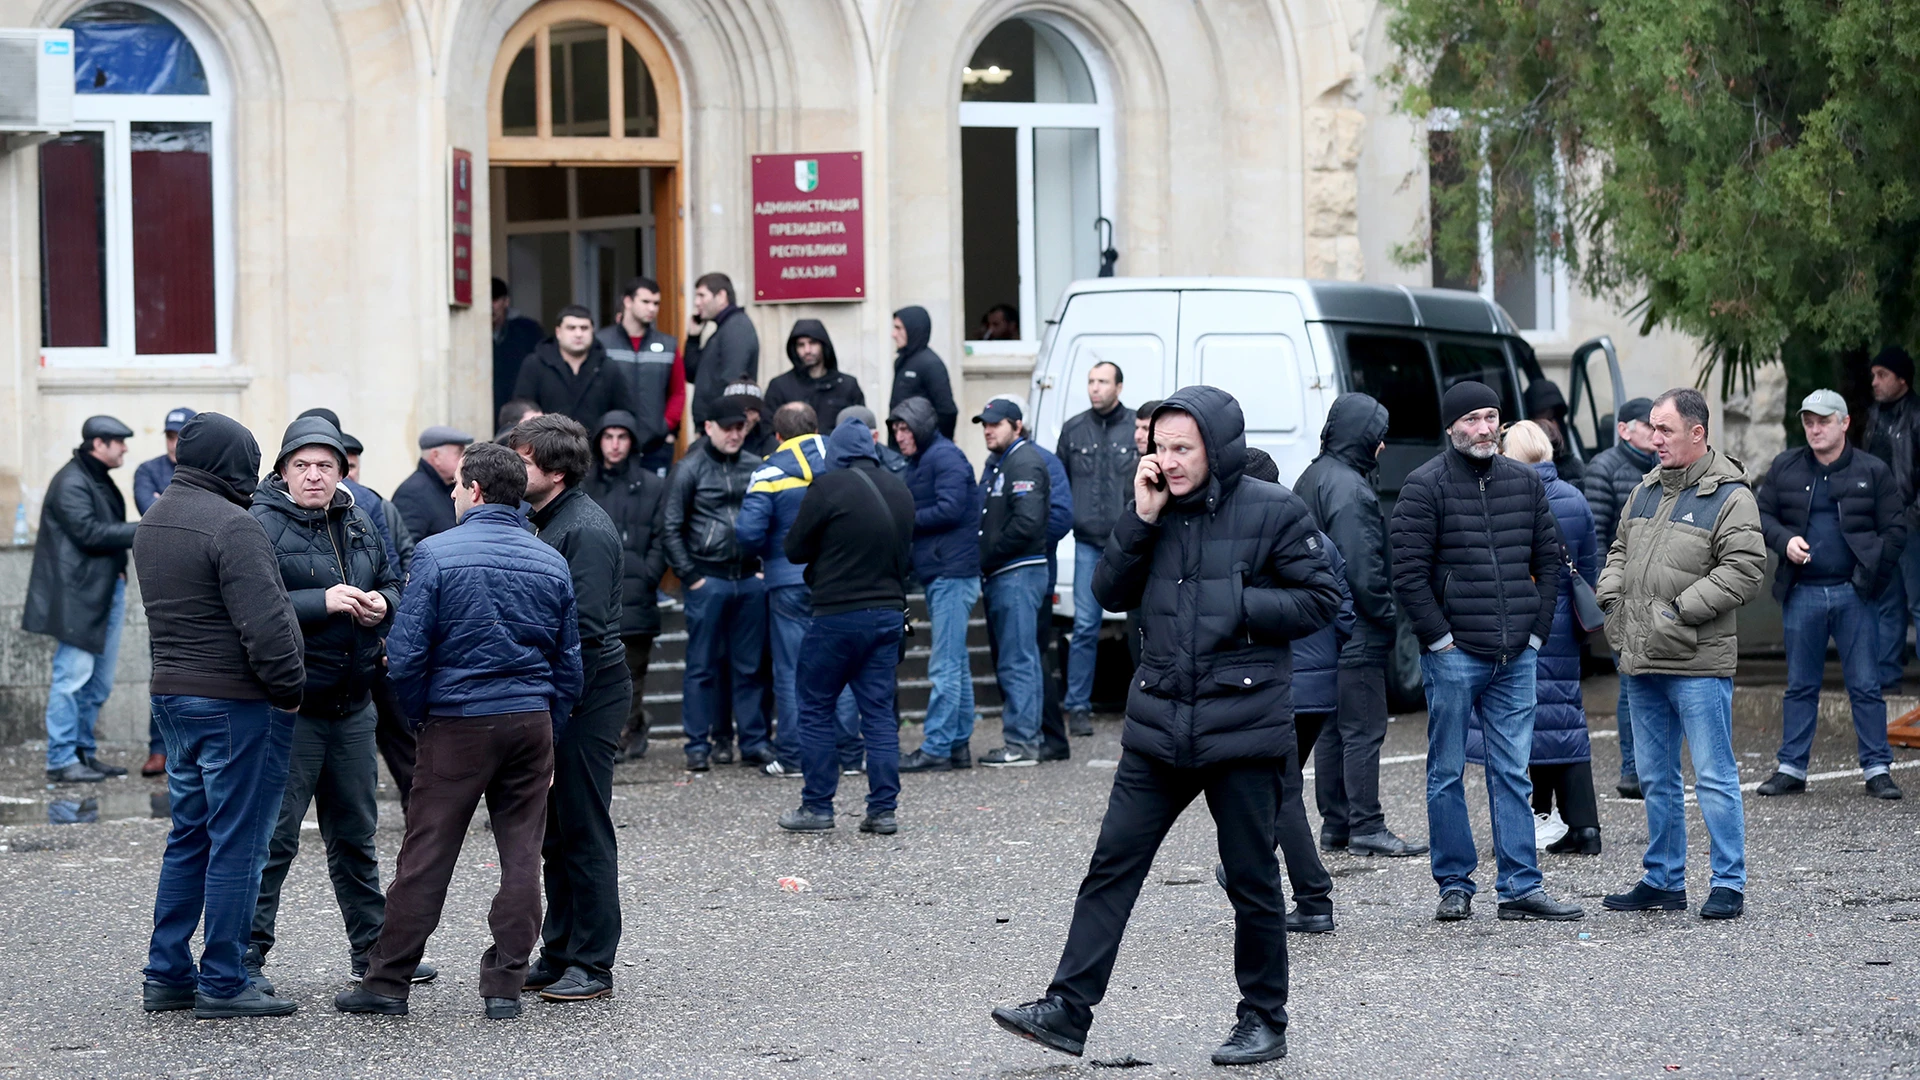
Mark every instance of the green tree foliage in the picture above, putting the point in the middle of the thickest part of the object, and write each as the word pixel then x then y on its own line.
pixel 1745 171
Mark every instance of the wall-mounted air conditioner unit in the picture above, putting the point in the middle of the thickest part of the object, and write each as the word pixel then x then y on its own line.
pixel 36 80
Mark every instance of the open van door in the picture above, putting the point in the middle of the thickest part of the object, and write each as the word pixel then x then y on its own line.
pixel 1594 395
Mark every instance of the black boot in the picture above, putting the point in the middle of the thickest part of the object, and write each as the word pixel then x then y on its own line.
pixel 1582 841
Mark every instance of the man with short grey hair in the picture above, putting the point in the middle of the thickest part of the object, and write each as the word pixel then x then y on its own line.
pixel 425 499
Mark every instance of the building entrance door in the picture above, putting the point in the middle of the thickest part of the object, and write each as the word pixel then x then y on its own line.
pixel 575 235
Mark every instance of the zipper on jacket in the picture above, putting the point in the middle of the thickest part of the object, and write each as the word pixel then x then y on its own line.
pixel 1493 549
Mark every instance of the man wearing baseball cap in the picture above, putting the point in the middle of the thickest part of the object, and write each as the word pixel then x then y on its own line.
pixel 425 499
pixel 1836 518
pixel 1014 493
pixel 154 474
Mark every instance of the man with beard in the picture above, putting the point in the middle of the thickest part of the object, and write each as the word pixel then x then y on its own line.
pixel 816 377
pixel 634 496
pixel 1893 436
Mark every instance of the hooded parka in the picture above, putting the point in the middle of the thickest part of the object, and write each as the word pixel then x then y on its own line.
pixel 946 501
pixel 1338 489
pixel 918 371
pixel 832 391
pixel 635 498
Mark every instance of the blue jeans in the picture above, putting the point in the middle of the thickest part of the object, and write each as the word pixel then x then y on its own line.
pixel 1459 684
pixel 1898 608
pixel 1813 614
pixel 1623 719
pixel 81 683
pixel 858 651
pixel 1013 613
pixel 1666 707
pixel 1084 647
pixel 726 631
pixel 226 773
pixel 789 612
pixel 950 602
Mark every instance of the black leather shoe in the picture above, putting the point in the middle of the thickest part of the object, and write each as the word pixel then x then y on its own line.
pixel 921 761
pixel 539 976
pixel 76 773
pixel 723 753
pixel 248 1002
pixel 1629 788
pixel 962 757
pixel 1053 753
pixel 1253 1041
pixel 1383 843
pixel 801 819
pixel 1724 903
pixel 1883 787
pixel 577 985
pixel 1454 906
pixel 1047 1022
pixel 93 762
pixel 1582 841
pixel 1079 722
pixel 366 1001
pixel 159 997
pixel 1538 905
pixel 255 961
pixel 882 824
pixel 1782 784
pixel 1300 923
pixel 502 1008
pixel 698 762
pixel 1644 897
pixel 759 757
pixel 1333 841
pixel 422 973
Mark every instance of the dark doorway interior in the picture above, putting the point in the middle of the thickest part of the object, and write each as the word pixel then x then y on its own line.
pixel 990 221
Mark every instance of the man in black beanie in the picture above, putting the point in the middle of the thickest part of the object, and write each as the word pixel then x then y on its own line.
pixel 1893 436
pixel 1476 567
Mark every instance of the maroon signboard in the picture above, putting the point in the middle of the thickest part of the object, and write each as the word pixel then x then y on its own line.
pixel 808 233
pixel 460 226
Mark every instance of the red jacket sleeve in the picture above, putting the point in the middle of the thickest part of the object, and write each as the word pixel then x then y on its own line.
pixel 677 389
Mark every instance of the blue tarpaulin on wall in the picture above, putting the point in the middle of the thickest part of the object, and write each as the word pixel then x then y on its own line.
pixel 127 49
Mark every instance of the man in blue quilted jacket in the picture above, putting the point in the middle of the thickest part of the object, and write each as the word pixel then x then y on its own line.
pixel 485 648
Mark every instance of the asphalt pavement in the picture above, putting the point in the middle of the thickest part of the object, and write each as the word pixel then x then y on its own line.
pixel 886 964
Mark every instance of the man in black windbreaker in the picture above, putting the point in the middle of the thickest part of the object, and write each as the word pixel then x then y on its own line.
pixel 1014 493
pixel 1225 576
pixel 918 371
pixel 1476 565
pixel 1338 490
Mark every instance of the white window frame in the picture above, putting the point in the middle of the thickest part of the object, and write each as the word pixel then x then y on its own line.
pixel 114 114
pixel 1550 314
pixel 1024 117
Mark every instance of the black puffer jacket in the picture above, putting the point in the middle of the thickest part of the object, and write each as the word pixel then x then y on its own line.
pixel 1338 490
pixel 635 498
pixel 316 550
pixel 704 493
pixel 1100 460
pixel 575 526
pixel 1543 398
pixel 1872 519
pixel 1476 554
pixel 1611 477
pixel 81 553
pixel 832 391
pixel 918 371
pixel 1223 582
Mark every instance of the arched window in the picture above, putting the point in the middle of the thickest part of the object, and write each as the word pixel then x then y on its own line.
pixel 583 81
pixel 135 202
pixel 1037 167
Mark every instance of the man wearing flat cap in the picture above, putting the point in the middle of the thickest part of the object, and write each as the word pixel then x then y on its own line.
pixel 1611 477
pixel 425 499
pixel 77 593
pixel 1893 436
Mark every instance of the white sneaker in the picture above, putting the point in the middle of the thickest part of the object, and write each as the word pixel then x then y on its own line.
pixel 774 768
pixel 1547 829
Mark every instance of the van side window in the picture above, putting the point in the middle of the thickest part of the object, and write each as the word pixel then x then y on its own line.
pixel 1398 373
pixel 1460 362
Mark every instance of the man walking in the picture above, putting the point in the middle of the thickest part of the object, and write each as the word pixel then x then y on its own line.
pixel 227 677
pixel 1611 477
pixel 1476 565
pixel 486 649
pixel 918 371
pixel 717 358
pixel 77 594
pixel 1688 555
pixel 1097 449
pixel 1338 490
pixel 1014 493
pixel 854 534
pixel 154 474
pixel 569 373
pixel 1835 517
pixel 816 377
pixel 1893 436
pixel 1226 574
pixel 583 901
pixel 725 595
pixel 649 362
pixel 344 591
pixel 425 498
pixel 635 498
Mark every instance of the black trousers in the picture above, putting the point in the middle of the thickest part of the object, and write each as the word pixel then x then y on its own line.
pixel 1053 721
pixel 582 868
pixel 639 658
pixel 1570 787
pixel 1148 796
pixel 1346 763
pixel 1312 885
pixel 398 744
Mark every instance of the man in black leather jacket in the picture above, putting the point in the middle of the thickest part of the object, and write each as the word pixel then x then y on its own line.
pixel 1893 436
pixel 725 596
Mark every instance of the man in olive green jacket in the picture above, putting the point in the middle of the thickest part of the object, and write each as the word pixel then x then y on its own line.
pixel 1688 555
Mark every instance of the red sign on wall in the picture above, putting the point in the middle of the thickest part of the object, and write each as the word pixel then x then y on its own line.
pixel 460 226
pixel 808 233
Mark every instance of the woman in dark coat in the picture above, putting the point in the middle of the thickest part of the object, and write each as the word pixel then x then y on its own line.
pixel 1562 762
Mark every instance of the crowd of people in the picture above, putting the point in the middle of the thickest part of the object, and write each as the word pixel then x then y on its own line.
pixel 488 632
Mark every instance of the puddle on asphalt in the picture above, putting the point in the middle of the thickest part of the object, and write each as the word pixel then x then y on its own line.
pixel 56 808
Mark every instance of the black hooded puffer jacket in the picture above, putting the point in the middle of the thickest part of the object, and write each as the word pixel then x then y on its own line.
pixel 1338 490
pixel 1223 582
pixel 635 498
pixel 919 372
pixel 828 394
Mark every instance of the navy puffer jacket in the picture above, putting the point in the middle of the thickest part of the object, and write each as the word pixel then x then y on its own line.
pixel 1559 720
pixel 1316 657
pixel 946 501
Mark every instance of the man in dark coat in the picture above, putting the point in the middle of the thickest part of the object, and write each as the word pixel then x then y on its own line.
pixel 569 374
pixel 1547 407
pixel 1014 494
pixel 1836 520
pixel 1611 477
pixel 77 593
pixel 1338 488
pixel 816 377
pixel 634 496
pixel 425 498
pixel 1226 574
pixel 1476 566
pixel 725 355
pixel 344 592
pixel 1096 447
pixel 918 371
pixel 1893 436
pixel 650 362
pixel 154 474
pixel 227 677
pixel 514 338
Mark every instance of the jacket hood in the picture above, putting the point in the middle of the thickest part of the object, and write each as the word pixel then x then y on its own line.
pixel 221 451
pixel 850 442
pixel 272 492
pixel 1355 425
pixel 1222 429
pixel 917 413
pixel 1544 397
pixel 815 329
pixel 1548 471
pixel 617 418
pixel 919 326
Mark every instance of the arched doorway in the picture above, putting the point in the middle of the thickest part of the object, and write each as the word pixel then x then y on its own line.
pixel 584 119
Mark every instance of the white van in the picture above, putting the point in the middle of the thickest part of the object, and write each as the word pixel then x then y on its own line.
pixel 1285 348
